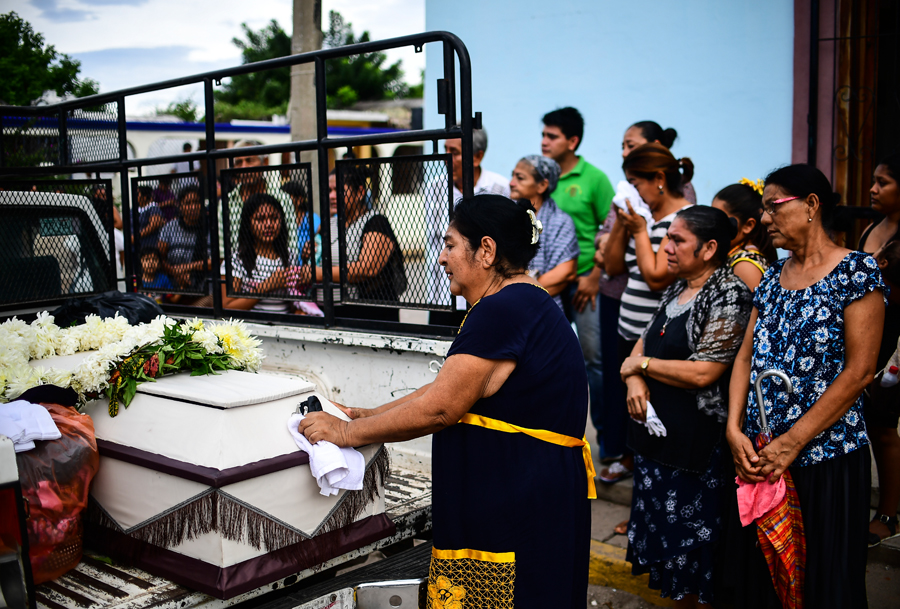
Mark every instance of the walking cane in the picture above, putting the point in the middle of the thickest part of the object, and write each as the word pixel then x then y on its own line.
pixel 765 433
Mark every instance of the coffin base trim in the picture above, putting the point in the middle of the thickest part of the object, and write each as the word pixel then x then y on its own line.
pixel 227 582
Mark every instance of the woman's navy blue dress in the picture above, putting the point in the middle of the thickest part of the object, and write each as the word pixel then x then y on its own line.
pixel 511 514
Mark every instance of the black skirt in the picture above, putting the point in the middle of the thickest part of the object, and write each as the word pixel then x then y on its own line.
pixel 834 501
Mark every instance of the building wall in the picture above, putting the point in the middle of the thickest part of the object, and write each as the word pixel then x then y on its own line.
pixel 720 73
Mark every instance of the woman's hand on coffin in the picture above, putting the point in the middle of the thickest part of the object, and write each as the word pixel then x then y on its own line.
pixel 636 397
pixel 777 456
pixel 746 461
pixel 318 426
pixel 355 413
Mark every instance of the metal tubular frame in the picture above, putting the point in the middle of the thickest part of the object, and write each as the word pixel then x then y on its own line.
pixel 453 51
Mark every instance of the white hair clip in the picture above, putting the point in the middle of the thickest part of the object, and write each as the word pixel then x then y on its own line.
pixel 536 227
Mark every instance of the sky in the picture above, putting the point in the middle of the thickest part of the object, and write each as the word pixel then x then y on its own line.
pixel 124 43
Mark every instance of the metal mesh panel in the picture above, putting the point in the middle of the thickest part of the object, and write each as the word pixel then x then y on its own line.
pixel 171 236
pixel 57 240
pixel 93 134
pixel 269 243
pixel 394 213
pixel 89 135
pixel 30 141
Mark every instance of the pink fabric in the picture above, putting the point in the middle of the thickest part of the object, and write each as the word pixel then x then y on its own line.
pixel 756 499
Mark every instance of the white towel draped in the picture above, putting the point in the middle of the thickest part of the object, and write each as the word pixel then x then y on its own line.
pixel 333 468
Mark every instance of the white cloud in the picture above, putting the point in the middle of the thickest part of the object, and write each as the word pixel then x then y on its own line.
pixel 204 27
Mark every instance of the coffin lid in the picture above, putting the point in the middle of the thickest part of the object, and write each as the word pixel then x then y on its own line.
pixel 230 389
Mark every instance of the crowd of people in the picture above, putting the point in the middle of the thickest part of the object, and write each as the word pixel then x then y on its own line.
pixel 680 309
pixel 275 242
pixel 739 387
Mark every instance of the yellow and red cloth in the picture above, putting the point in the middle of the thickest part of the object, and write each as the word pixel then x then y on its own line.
pixel 783 543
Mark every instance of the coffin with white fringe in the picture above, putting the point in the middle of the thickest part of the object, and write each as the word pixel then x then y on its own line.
pixel 201 482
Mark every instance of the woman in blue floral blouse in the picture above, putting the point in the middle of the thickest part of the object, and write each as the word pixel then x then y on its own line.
pixel 817 317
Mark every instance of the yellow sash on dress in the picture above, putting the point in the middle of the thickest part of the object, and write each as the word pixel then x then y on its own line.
pixel 541 434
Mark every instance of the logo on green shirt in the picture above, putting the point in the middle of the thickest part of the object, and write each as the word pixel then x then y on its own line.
pixel 574 191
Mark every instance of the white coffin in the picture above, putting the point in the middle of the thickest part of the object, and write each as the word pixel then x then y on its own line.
pixel 201 482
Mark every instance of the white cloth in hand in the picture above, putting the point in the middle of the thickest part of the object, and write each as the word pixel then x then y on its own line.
pixel 333 468
pixel 625 190
pixel 653 423
pixel 24 422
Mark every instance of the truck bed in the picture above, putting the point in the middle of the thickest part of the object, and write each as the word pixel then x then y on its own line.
pixel 95 584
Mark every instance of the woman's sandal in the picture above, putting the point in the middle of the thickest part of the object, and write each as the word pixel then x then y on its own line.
pixel 614 473
pixel 888 521
pixel 621 528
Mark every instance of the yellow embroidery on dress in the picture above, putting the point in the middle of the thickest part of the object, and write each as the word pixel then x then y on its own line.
pixel 474 554
pixel 443 594
pixel 454 583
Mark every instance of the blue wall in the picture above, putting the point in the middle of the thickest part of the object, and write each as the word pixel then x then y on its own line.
pixel 719 72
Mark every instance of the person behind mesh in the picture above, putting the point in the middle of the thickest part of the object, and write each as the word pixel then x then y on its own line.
pixel 297 191
pixel 245 184
pixel 261 262
pixel 183 243
pixel 436 219
pixel 374 266
pixel 152 276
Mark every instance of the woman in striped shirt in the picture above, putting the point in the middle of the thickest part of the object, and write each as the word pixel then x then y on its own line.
pixel 637 247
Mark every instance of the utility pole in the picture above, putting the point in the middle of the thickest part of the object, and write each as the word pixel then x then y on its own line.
pixel 306 37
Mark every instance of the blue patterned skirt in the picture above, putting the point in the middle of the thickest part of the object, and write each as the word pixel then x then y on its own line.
pixel 675 518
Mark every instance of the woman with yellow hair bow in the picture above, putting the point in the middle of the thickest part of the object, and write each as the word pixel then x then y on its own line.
pixel 751 253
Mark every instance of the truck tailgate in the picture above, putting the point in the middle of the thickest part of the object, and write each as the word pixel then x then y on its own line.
pixel 94 583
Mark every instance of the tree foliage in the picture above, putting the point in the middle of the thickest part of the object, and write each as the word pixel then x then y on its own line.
pixel 261 94
pixel 185 109
pixel 363 77
pixel 29 67
pixel 348 80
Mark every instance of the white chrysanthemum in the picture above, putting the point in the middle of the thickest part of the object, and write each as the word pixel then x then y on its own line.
pixel 91 333
pixel 46 336
pixel 58 377
pixel 11 355
pixel 208 340
pixel 192 325
pixel 92 375
pixel 20 379
pixel 68 343
pixel 242 348
pixel 145 334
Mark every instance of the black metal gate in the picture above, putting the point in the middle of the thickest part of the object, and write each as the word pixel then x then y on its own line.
pixel 200 241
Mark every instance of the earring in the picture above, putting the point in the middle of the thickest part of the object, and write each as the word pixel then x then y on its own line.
pixel 660 189
pixel 809 219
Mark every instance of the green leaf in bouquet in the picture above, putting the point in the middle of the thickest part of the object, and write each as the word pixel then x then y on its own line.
pixel 128 392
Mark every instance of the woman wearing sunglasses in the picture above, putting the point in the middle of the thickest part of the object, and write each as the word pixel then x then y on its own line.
pixel 817 317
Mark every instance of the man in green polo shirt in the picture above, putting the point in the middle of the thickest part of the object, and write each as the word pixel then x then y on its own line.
pixel 585 193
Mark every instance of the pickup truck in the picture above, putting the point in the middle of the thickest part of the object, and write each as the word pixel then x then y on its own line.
pixel 57 247
pixel 58 243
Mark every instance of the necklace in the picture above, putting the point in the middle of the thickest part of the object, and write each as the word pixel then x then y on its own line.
pixel 674 310
pixel 466 316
